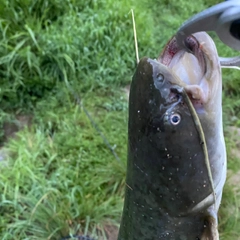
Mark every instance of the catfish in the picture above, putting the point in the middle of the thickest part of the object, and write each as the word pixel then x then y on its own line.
pixel 176 166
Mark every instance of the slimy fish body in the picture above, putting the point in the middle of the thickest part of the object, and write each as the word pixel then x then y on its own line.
pixel 176 152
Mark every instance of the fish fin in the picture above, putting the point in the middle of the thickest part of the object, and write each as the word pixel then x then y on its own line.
pixel 210 229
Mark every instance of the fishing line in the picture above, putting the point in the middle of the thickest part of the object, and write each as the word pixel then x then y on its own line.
pixel 99 131
pixel 94 124
pixel 135 36
pixel 202 138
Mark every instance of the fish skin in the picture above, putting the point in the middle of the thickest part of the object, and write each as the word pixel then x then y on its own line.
pixel 168 189
pixel 211 118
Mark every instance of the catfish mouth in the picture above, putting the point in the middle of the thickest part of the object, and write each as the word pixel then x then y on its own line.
pixel 190 67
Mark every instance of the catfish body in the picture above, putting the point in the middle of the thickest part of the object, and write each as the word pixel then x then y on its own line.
pixel 169 192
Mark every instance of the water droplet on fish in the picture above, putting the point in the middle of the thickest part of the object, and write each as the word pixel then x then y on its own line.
pixel 170 179
pixel 138 111
pixel 204 185
pixel 163 168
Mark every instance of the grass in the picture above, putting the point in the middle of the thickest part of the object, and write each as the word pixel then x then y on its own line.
pixel 60 178
pixel 60 170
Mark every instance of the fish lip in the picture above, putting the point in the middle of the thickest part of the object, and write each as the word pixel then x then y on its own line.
pixel 172 48
pixel 172 54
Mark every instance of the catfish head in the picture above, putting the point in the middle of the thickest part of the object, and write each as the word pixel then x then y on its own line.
pixel 176 152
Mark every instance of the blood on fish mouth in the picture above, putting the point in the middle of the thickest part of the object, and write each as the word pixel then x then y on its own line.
pixel 190 67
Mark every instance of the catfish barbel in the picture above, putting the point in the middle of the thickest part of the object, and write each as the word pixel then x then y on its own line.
pixel 176 151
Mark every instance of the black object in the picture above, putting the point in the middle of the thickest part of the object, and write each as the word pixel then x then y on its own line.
pixel 235 29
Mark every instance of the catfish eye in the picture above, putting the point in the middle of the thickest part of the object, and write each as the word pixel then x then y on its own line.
pixel 175 119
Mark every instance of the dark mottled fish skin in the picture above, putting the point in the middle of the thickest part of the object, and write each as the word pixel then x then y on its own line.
pixel 167 175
